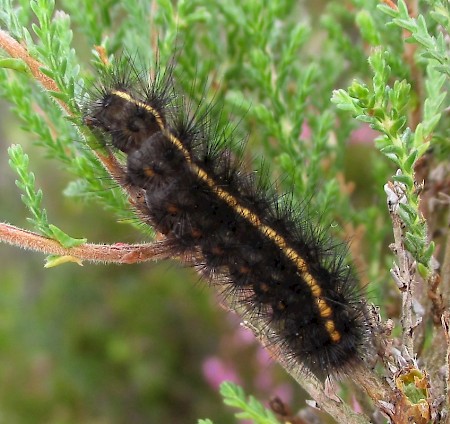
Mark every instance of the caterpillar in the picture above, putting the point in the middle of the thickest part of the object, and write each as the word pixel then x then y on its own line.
pixel 257 245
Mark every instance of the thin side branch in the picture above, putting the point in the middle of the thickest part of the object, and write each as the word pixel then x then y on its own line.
pixel 402 271
pixel 446 327
pixel 119 253
pixel 16 50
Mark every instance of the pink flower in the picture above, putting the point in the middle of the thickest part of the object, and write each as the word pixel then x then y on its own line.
pixel 216 371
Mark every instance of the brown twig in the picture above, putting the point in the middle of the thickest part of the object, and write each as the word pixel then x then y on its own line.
pixel 402 271
pixel 16 50
pixel 118 253
pixel 445 271
pixel 446 327
pixel 437 301
pixel 390 3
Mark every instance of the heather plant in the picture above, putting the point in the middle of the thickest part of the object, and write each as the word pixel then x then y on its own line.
pixel 345 101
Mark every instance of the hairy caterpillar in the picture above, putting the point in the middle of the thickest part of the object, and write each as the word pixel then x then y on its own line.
pixel 267 253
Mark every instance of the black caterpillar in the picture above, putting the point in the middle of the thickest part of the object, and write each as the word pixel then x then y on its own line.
pixel 274 259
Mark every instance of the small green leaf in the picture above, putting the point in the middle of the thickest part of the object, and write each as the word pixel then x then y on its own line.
pixel 367 27
pixel 58 95
pixel 423 270
pixel 407 219
pixel 422 149
pixel 405 179
pixel 409 210
pixel 428 253
pixel 15 64
pixel 251 409
pixel 388 10
pixel 64 239
pixel 408 165
pixel 53 261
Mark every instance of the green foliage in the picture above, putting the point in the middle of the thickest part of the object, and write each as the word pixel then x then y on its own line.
pixel 235 396
pixel 386 109
pixel 434 46
pixel 32 199
pixel 258 60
